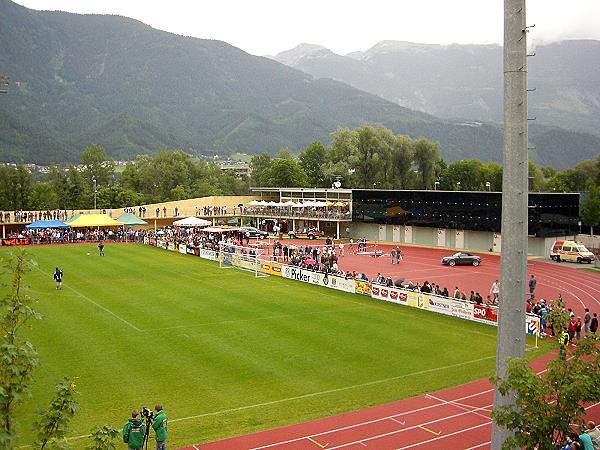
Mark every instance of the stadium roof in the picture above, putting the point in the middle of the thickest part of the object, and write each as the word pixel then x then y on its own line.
pixel 95 220
pixel 131 219
pixel 43 224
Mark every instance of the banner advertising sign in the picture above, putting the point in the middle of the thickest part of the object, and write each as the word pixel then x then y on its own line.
pixel 151 241
pixel 15 241
pixel 485 314
pixel 192 251
pixel 171 246
pixel 533 324
pixel 363 287
pixel 330 281
pixel 161 244
pixel 244 262
pixel 182 249
pixel 271 268
pixel 389 294
pixel 208 254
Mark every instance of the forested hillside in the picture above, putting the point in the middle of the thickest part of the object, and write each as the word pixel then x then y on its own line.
pixel 78 80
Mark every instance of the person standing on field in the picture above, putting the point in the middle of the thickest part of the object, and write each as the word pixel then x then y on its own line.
pixel 58 276
pixel 159 424
pixel 101 248
pixel 134 431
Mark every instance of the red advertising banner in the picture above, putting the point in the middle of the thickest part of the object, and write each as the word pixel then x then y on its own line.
pixel 15 241
pixel 485 313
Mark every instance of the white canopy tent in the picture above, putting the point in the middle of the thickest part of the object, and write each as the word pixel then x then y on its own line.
pixel 192 222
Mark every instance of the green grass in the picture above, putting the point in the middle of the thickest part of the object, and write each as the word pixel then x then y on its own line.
pixel 590 269
pixel 224 352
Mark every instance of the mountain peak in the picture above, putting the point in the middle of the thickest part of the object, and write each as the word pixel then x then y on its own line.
pixel 291 57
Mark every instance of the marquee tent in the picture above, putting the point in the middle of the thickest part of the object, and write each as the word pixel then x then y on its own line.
pixel 43 224
pixel 192 222
pixel 131 220
pixel 95 220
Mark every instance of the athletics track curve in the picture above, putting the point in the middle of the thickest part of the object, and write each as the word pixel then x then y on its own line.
pixel 451 419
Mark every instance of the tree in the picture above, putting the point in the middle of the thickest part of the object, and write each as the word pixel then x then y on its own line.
pixel 103 438
pixel 96 165
pixel 313 160
pixel 426 157
pixel 402 154
pixel 52 424
pixel 42 196
pixel 365 156
pixel 548 403
pixel 258 164
pixel 284 172
pixel 19 357
pixel 590 210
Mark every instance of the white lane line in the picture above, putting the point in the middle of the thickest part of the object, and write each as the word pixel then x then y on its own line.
pixel 460 405
pixel 369 422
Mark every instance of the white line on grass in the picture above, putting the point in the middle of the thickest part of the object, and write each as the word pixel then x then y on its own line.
pixel 331 391
pixel 85 297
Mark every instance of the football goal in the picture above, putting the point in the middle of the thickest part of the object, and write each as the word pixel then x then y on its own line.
pixel 241 257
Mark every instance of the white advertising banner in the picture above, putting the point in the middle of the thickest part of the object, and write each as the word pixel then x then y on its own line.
pixel 389 294
pixel 307 276
pixel 208 254
pixel 161 244
pixel 182 249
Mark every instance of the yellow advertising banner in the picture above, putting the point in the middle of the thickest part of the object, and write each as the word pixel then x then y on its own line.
pixel 272 268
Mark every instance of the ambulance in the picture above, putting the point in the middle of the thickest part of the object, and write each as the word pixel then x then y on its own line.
pixel 571 251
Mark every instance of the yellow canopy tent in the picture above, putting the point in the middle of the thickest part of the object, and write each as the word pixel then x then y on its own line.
pixel 94 220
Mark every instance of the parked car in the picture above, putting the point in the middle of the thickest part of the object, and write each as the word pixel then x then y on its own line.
pixel 254 232
pixel 306 233
pixel 460 258
pixel 571 251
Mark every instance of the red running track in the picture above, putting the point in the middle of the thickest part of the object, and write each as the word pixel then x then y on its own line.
pixel 452 419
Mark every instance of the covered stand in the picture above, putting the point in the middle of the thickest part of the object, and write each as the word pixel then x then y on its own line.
pixel 43 224
pixel 192 222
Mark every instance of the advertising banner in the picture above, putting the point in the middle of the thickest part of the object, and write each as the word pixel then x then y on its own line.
pixel 533 324
pixel 192 250
pixel 171 246
pixel 389 294
pixel 330 281
pixel 485 314
pixel 363 287
pixel 161 244
pixel 244 262
pixel 182 249
pixel 15 241
pixel 208 254
pixel 271 268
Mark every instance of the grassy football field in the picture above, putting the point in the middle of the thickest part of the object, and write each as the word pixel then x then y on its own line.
pixel 226 353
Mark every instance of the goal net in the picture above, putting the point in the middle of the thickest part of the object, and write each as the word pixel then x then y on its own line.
pixel 241 257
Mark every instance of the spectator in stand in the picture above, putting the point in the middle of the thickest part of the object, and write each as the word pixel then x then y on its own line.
pixel 587 318
pixel 495 290
pixel 594 433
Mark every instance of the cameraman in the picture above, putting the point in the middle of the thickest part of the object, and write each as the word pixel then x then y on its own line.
pixel 159 424
pixel 134 431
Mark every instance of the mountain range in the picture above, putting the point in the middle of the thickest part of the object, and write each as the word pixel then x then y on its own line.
pixel 465 81
pixel 116 82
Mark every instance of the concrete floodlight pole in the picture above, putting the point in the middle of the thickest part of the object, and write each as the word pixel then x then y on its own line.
pixel 513 261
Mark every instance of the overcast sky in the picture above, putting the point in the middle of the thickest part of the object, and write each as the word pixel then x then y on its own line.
pixel 266 27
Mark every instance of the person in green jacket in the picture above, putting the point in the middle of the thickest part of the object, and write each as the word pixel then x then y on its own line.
pixel 160 428
pixel 134 431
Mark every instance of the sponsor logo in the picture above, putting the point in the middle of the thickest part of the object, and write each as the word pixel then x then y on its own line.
pixel 276 269
pixel 402 296
pixel 375 290
pixel 384 292
pixel 296 274
pixel 438 304
pixel 393 295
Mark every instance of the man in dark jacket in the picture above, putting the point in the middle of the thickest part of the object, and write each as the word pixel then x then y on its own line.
pixel 134 431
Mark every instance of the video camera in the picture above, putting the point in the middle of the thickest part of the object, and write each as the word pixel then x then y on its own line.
pixel 147 413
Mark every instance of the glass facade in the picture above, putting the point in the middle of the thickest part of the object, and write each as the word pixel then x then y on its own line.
pixel 549 214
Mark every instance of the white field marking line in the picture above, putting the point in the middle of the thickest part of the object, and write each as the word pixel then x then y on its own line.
pixel 279 316
pixel 460 405
pixel 580 279
pixel 330 391
pixel 412 428
pixel 96 304
pixel 479 445
pixel 195 447
pixel 571 293
pixel 368 422
pixel 573 286
pixel 445 436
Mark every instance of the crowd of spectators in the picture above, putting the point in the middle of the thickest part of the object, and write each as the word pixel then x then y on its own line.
pixel 66 236
pixel 31 216
pixel 588 438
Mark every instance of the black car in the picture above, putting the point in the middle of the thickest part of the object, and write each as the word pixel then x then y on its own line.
pixel 306 233
pixel 254 232
pixel 460 258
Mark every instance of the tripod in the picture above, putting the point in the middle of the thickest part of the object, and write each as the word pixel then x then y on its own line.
pixel 147 433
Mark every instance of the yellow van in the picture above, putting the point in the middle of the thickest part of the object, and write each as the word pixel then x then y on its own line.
pixel 571 251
